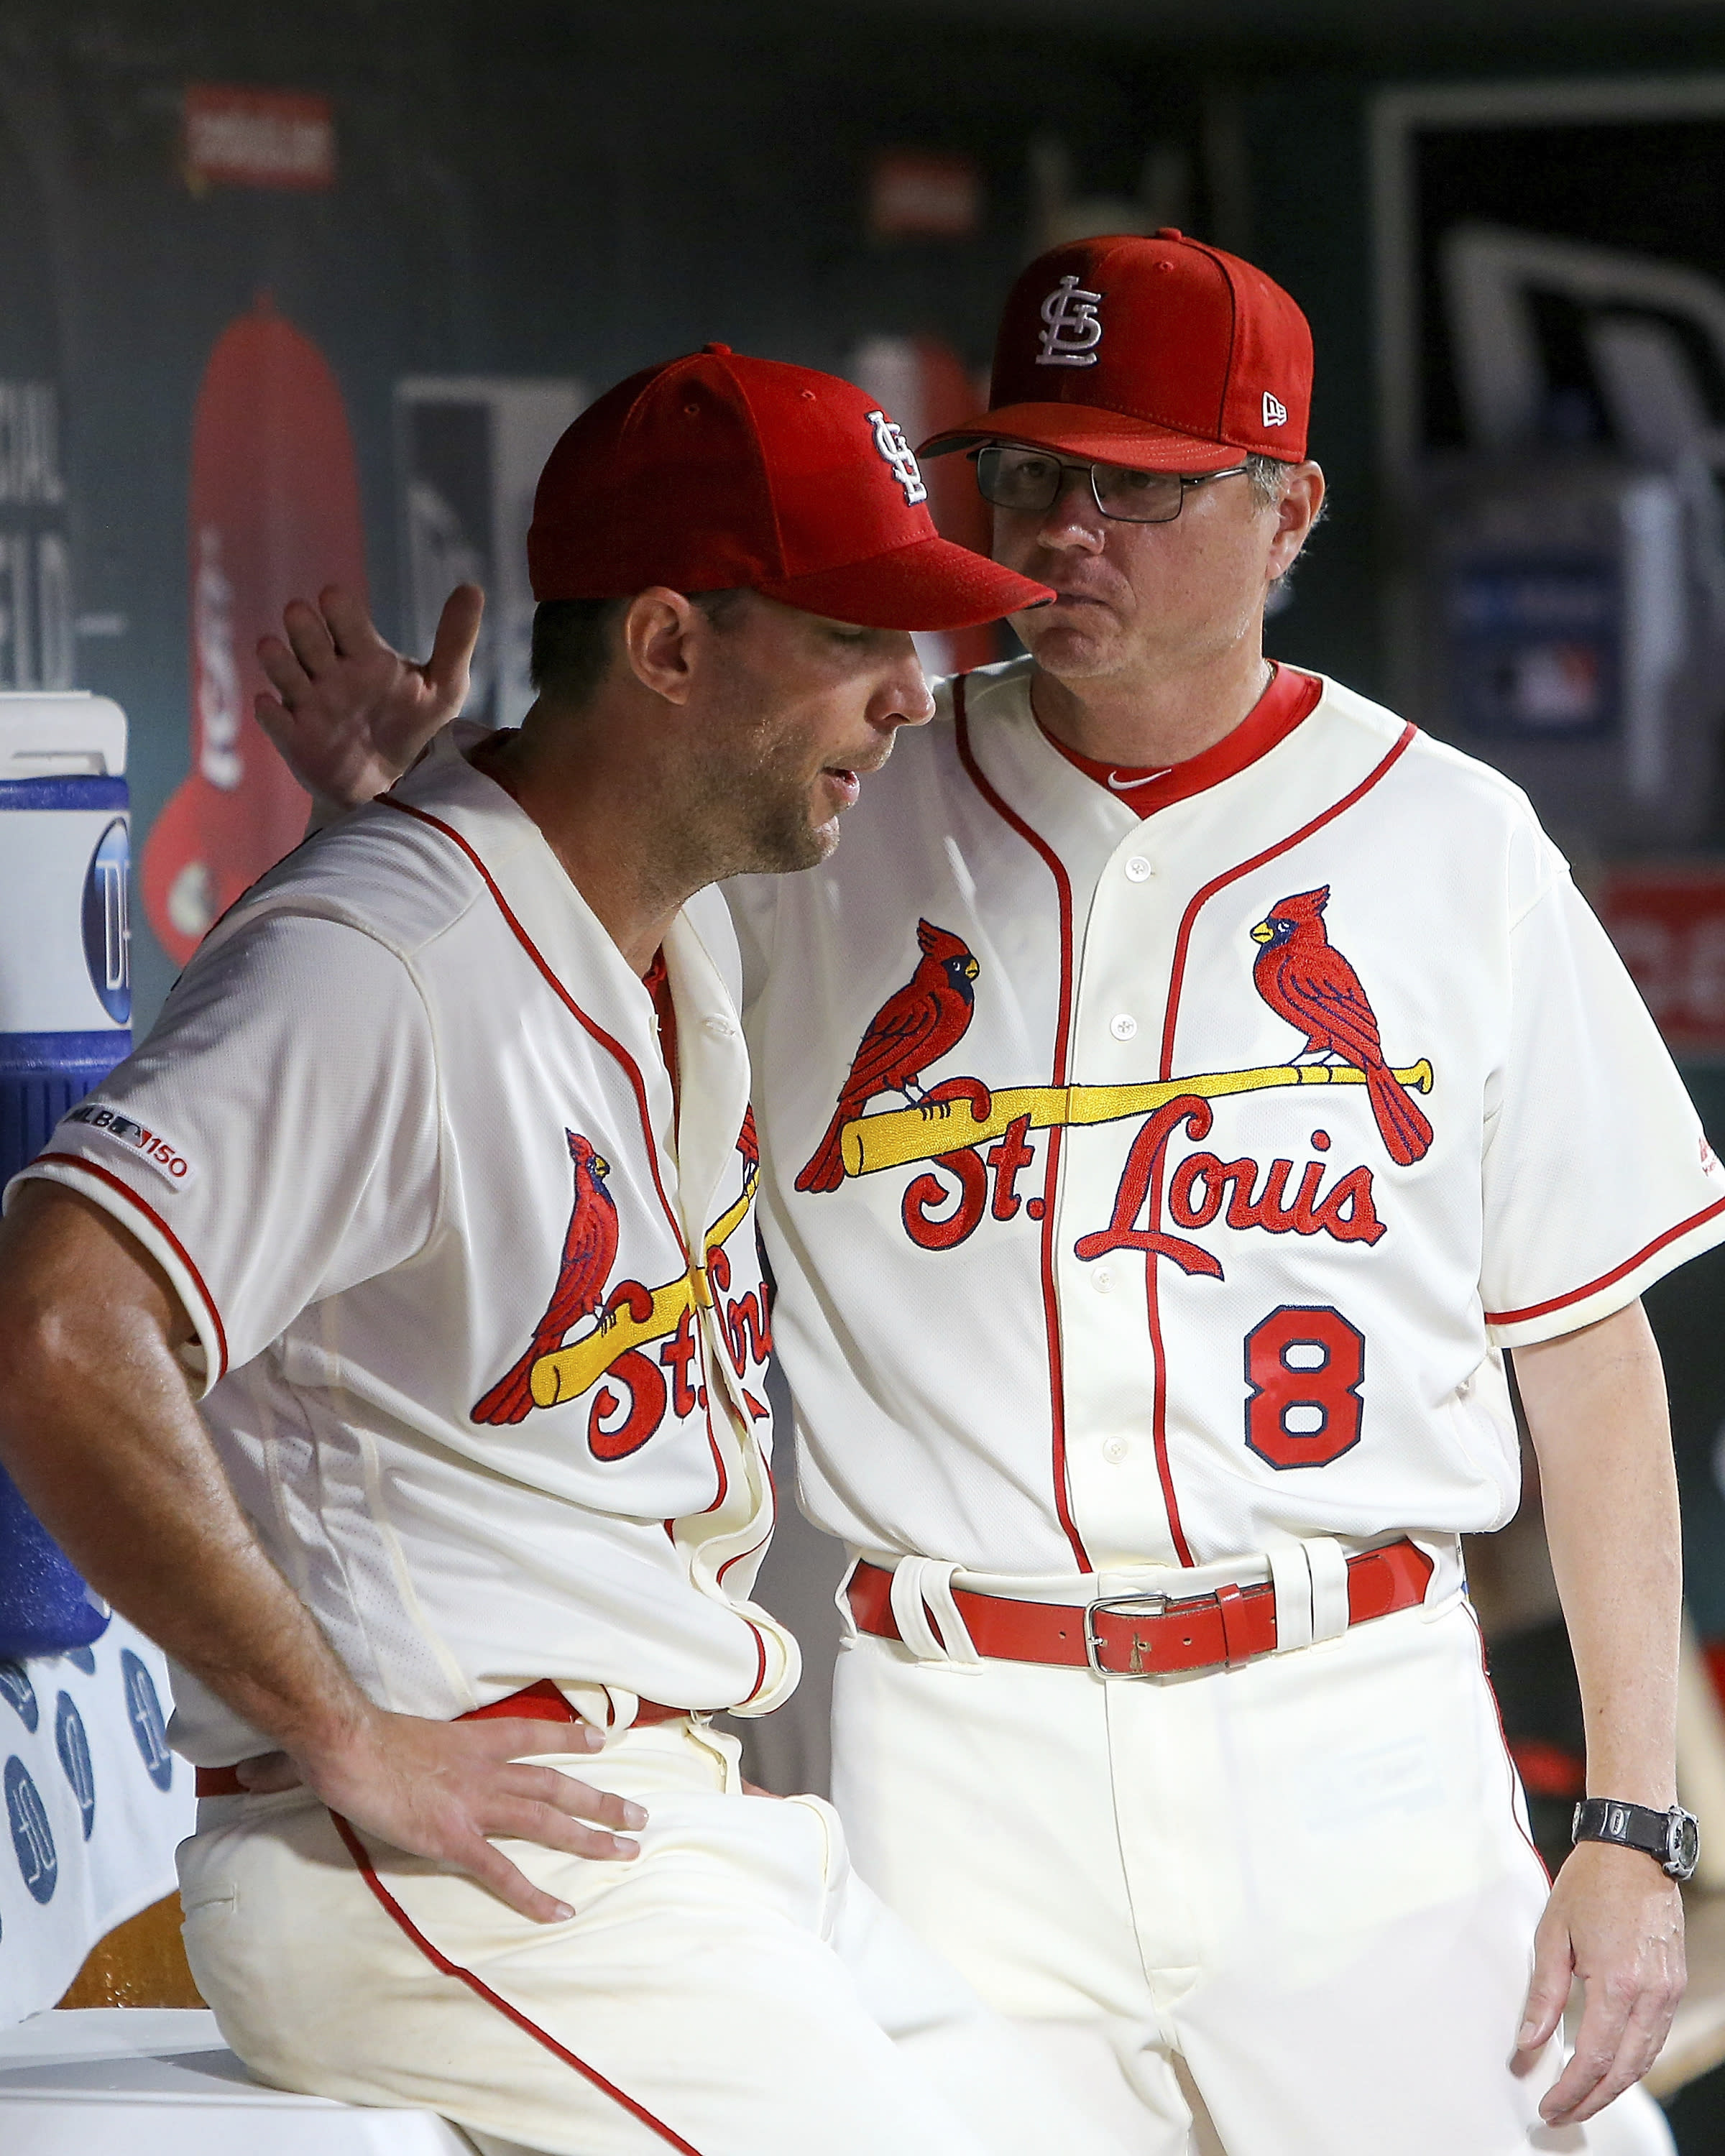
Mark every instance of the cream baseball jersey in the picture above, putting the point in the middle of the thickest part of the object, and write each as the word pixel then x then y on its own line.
pixel 1140 1190
pixel 480 1313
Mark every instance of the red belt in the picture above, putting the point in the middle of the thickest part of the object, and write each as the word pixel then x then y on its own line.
pixel 539 1702
pixel 1147 1635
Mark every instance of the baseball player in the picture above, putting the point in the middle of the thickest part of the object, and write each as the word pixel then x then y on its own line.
pixel 1177 1094
pixel 434 1187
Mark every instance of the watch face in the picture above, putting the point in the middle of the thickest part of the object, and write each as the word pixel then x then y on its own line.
pixel 1683 1844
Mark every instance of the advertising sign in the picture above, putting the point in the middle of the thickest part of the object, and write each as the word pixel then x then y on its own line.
pixel 275 515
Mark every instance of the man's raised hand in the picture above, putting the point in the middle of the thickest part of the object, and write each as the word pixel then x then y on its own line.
pixel 350 713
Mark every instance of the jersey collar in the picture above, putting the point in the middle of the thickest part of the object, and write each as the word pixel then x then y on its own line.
pixel 1291 697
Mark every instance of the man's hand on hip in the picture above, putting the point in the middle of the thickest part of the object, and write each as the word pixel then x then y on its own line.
pixel 350 713
pixel 442 1790
pixel 1617 1921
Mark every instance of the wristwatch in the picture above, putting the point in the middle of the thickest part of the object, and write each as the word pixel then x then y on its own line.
pixel 1671 1838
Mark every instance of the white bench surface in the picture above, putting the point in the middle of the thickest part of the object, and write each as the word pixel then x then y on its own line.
pixel 64 2076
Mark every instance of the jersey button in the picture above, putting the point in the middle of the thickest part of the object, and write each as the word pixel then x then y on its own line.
pixel 1102 1280
pixel 1139 870
pixel 720 1028
pixel 1123 1026
pixel 1114 1450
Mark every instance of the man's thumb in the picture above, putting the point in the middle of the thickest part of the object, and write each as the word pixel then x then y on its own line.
pixel 1548 1995
pixel 458 629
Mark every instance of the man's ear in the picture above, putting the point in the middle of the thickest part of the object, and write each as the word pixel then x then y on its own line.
pixel 1299 509
pixel 660 631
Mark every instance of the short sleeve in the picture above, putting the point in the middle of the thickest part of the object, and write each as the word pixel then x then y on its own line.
pixel 1598 1178
pixel 275 1138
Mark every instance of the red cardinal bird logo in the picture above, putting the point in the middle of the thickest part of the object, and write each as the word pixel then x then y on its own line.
pixel 1304 978
pixel 589 1252
pixel 912 1030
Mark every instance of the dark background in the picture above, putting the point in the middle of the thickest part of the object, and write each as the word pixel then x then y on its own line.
pixel 536 187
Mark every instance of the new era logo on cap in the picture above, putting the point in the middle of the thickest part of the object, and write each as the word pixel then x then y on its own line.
pixel 1276 413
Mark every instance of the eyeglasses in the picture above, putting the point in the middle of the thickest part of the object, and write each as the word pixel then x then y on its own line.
pixel 1032 480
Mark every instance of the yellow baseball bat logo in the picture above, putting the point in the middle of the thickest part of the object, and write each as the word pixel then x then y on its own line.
pixel 568 1371
pixel 898 1137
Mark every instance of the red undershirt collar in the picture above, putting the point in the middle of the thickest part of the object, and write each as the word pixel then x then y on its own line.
pixel 1291 697
pixel 656 980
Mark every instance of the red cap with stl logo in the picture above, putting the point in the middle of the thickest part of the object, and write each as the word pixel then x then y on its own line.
pixel 716 470
pixel 1162 354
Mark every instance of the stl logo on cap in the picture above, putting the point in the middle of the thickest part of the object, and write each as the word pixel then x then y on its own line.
pixel 1074 329
pixel 897 451
pixel 1276 413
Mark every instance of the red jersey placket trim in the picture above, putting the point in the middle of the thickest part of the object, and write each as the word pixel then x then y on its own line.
pixel 632 1071
pixel 1062 1060
pixel 1177 978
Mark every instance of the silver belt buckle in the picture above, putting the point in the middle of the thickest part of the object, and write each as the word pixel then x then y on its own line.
pixel 1140 1605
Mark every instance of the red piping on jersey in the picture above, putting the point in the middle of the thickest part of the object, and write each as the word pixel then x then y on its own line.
pixel 1158 1387
pixel 1202 897
pixel 755 1689
pixel 125 1190
pixel 398 1916
pixel 706 1409
pixel 1503 1737
pixel 1607 1279
pixel 616 1048
pixel 1176 983
pixel 1050 1302
pixel 626 1062
pixel 742 1554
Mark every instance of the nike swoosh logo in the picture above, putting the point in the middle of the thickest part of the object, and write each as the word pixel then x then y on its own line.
pixel 1124 785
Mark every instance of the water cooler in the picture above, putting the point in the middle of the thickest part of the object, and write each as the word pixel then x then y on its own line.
pixel 65 1021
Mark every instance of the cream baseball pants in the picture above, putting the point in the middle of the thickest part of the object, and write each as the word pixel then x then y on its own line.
pixel 734 1991
pixel 1283 1910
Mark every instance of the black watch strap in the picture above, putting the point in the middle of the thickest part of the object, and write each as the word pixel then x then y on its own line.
pixel 1671 1838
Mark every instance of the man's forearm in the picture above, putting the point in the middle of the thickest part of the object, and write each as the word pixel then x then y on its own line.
pixel 1596 1409
pixel 98 1428
pixel 99 1431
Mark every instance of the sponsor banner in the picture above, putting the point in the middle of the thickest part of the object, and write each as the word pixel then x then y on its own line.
pixel 274 516
pixel 239 138
pixel 1668 919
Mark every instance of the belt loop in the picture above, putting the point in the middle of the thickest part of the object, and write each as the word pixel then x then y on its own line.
pixel 1329 1587
pixel 1291 1578
pixel 922 1591
pixel 848 1633
pixel 1231 1604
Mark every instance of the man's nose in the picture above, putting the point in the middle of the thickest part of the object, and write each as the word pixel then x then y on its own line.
pixel 1072 519
pixel 904 698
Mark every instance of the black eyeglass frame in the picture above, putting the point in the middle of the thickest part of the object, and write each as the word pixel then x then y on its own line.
pixel 1090 469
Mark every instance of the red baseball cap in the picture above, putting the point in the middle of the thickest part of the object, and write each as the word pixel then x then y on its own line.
pixel 1162 354
pixel 715 470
